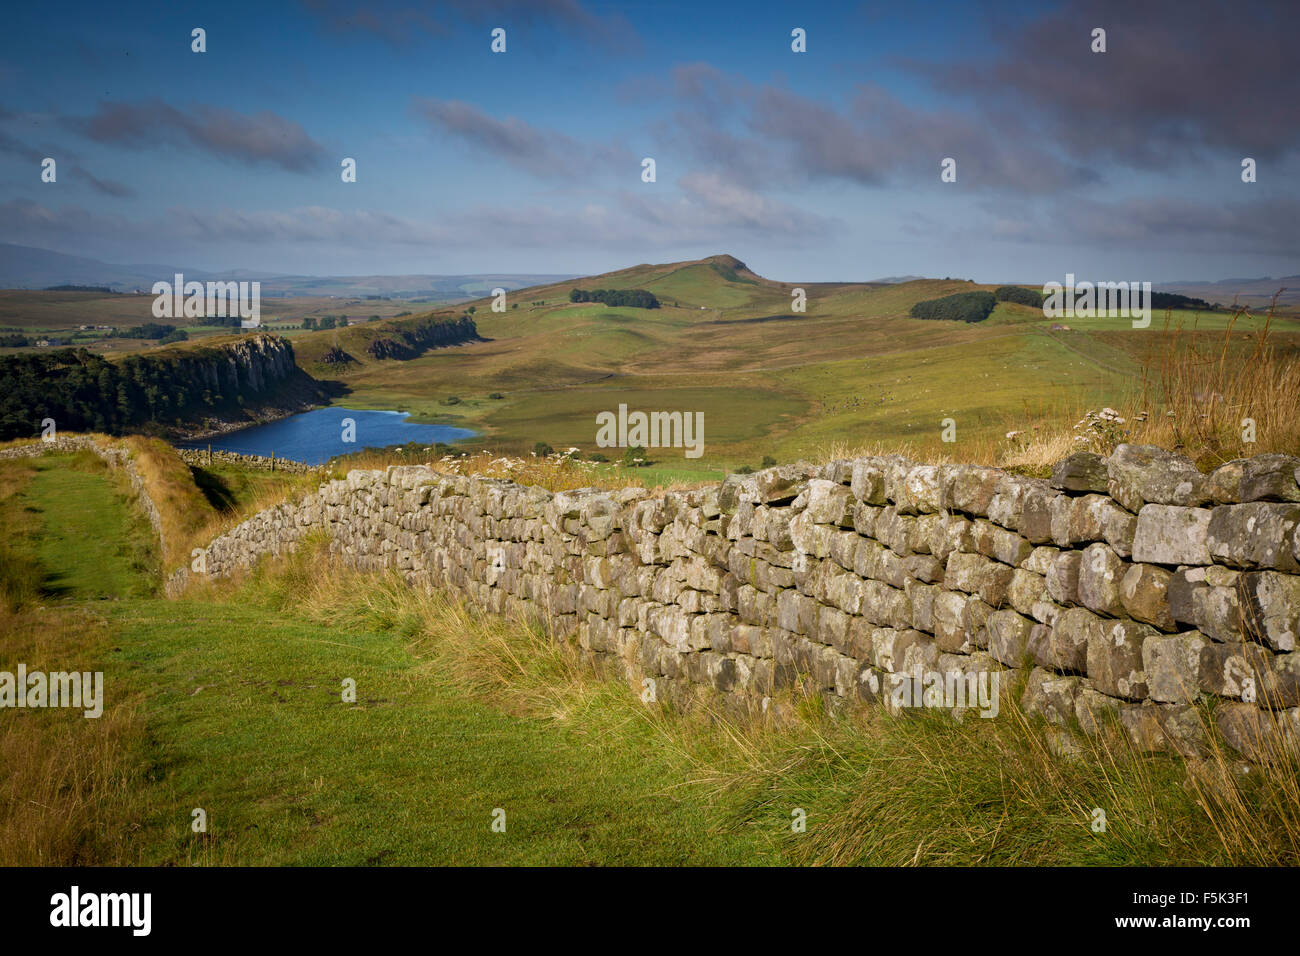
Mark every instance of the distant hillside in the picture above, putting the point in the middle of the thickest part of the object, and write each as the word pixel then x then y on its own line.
pixel 1255 293
pixel 26 267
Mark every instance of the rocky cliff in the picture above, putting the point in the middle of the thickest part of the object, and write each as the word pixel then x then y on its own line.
pixel 176 390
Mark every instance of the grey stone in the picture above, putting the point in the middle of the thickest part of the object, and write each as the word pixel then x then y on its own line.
pixel 1082 471
pixel 1100 573
pixel 1173 666
pixel 1270 608
pixel 1270 478
pixel 1009 637
pixel 1142 474
pixel 1115 659
pixel 1168 534
pixel 1051 695
pixel 1064 646
pixel 1144 593
pixel 1255 535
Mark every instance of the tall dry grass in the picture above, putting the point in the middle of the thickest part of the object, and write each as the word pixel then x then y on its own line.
pixel 182 508
pixel 1199 388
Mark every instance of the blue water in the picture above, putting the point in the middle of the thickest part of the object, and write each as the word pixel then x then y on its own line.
pixel 317 436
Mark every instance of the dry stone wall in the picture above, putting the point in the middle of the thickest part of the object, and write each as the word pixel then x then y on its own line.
pixel 1132 586
pixel 203 457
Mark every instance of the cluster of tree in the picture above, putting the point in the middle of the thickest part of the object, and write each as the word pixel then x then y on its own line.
pixel 165 334
pixel 325 322
pixel 14 341
pixel 224 321
pixel 633 298
pixel 81 288
pixel 82 391
pixel 1160 301
pixel 961 307
pixel 1018 293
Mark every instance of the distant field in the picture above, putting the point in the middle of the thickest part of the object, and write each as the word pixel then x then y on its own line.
pixel 59 314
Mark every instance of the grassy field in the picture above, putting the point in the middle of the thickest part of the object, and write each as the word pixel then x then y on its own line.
pixel 231 701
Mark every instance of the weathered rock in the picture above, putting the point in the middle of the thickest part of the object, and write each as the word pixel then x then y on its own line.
pixel 973 488
pixel 1025 590
pixel 1142 474
pixel 1183 583
pixel 1115 659
pixel 1270 608
pixel 1093 710
pixel 1168 534
pixel 1064 646
pixel 868 482
pixel 1051 695
pixel 1100 573
pixel 826 580
pixel 1035 523
pixel 926 488
pixel 1255 535
pixel 999 543
pixel 1225 482
pixel 1009 637
pixel 1270 478
pixel 1260 735
pixel 1144 593
pixel 1235 670
pixel 1173 666
pixel 1172 728
pixel 1216 611
pixel 1063 578
pixel 1082 471
pixel 828 502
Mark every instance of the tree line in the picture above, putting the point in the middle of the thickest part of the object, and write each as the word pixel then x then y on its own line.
pixel 633 298
pixel 960 307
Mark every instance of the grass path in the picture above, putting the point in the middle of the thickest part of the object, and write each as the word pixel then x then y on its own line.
pixel 250 725
pixel 84 539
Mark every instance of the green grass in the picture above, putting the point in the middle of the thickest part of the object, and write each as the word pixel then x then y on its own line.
pixel 86 545
pixel 246 707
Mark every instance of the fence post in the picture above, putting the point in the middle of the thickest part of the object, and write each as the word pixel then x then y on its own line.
pixel 273 461
pixel 209 453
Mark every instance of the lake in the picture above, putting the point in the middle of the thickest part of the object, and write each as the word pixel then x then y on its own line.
pixel 317 436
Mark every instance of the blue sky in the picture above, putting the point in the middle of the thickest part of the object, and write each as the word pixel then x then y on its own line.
pixel 812 166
